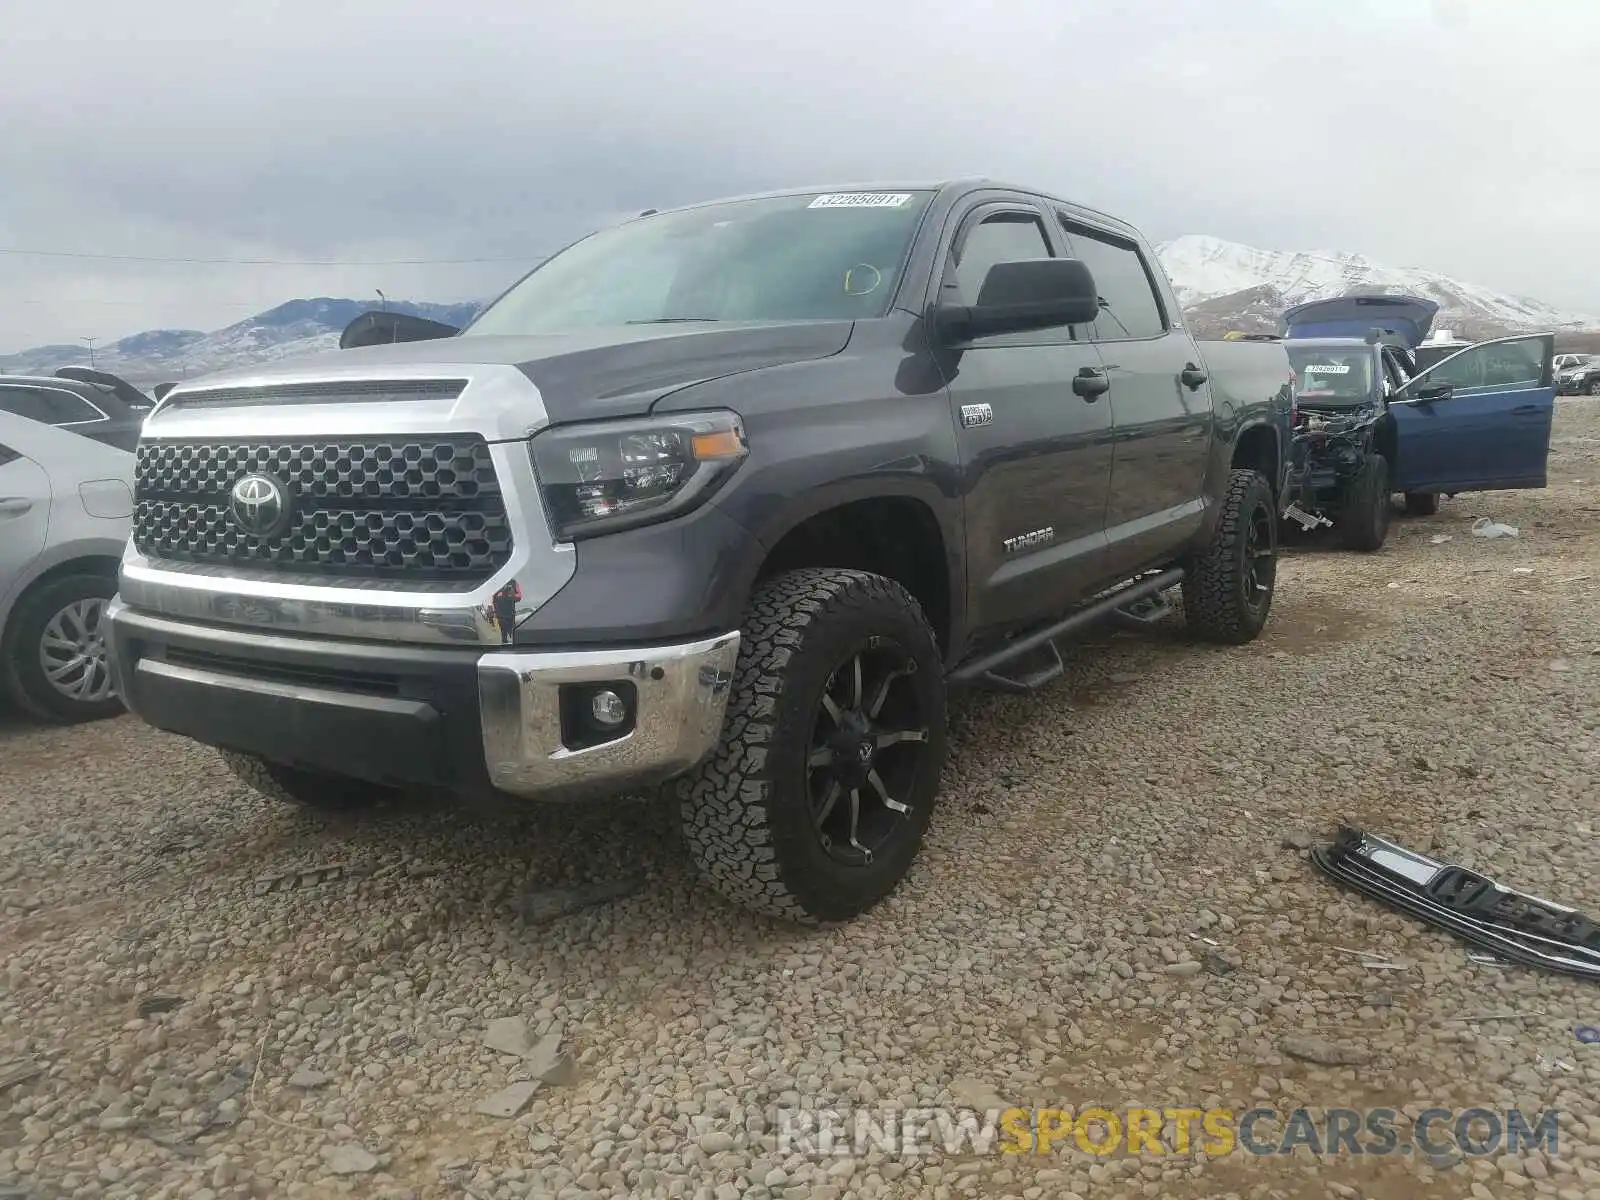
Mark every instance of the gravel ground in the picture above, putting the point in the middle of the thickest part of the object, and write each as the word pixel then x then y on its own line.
pixel 328 985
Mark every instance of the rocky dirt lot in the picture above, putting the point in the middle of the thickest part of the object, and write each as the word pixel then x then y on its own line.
pixel 206 996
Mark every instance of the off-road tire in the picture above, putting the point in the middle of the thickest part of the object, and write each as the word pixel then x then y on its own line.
pixel 1220 601
pixel 1422 504
pixel 307 789
pixel 1364 517
pixel 744 812
pixel 21 675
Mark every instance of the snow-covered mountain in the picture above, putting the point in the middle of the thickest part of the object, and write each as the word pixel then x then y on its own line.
pixel 293 328
pixel 1223 284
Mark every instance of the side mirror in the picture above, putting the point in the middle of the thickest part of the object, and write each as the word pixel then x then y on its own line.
pixel 1035 293
pixel 1434 391
pixel 385 328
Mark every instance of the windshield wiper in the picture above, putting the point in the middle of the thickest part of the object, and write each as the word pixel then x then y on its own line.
pixel 672 320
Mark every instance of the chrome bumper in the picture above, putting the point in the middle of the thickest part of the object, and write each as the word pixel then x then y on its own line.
pixel 681 694
pixel 506 722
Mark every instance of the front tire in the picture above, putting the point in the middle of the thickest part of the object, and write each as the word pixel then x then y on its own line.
pixel 53 659
pixel 1364 520
pixel 1227 592
pixel 307 789
pixel 815 802
pixel 1422 504
pixel 1592 388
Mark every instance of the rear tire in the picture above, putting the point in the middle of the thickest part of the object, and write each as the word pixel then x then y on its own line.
pixel 1227 592
pixel 53 658
pixel 307 789
pixel 1422 504
pixel 1364 519
pixel 837 716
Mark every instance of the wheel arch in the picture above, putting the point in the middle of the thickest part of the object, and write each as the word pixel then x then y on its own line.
pixel 902 532
pixel 92 559
pixel 1258 447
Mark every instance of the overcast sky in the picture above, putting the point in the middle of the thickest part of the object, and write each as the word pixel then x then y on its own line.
pixel 1459 135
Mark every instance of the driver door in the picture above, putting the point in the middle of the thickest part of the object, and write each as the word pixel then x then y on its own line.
pixel 1479 420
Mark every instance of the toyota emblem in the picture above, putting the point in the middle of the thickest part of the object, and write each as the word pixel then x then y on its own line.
pixel 259 505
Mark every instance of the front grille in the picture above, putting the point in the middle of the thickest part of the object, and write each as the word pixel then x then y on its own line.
pixel 425 509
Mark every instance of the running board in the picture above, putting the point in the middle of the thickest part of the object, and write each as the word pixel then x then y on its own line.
pixel 1511 925
pixel 1127 597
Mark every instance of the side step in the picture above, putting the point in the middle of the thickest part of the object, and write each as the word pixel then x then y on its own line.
pixel 1129 602
pixel 1049 668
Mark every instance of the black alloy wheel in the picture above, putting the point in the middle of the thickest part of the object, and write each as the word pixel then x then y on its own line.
pixel 867 746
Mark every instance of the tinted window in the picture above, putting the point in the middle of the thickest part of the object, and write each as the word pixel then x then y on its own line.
pixel 1129 308
pixel 1510 364
pixel 47 405
pixel 810 257
pixel 1004 237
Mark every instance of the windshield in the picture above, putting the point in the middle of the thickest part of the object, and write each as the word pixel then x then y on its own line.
pixel 1337 376
pixel 827 256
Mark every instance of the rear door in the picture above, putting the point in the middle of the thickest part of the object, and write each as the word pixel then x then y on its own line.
pixel 1035 452
pixel 24 509
pixel 1160 398
pixel 1489 430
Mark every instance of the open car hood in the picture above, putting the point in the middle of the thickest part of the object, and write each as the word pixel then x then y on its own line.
pixel 1407 317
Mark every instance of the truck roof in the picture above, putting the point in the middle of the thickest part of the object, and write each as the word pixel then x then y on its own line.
pixel 948 188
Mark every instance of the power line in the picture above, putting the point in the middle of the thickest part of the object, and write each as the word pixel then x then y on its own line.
pixel 274 262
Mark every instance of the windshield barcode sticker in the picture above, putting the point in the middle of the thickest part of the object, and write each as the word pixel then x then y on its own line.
pixel 860 200
pixel 1328 369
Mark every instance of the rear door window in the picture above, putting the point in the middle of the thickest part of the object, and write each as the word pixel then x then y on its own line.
pixel 51 406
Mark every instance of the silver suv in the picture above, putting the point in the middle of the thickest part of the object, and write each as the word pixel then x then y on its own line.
pixel 66 508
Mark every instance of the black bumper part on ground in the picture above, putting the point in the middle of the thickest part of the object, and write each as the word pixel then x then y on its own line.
pixel 406 716
pixel 1510 924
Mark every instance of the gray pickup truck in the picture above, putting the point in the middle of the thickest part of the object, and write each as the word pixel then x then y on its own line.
pixel 727 496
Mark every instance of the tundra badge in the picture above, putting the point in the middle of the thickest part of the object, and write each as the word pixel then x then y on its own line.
pixel 973 415
pixel 1028 541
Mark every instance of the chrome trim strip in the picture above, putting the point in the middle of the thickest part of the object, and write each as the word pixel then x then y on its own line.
pixel 682 696
pixel 499 403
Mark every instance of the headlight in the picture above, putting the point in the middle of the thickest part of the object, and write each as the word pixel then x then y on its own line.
pixel 614 475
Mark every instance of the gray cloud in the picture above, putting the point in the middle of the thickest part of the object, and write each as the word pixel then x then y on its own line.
pixel 1443 133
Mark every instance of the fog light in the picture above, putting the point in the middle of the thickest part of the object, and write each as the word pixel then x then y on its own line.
pixel 608 709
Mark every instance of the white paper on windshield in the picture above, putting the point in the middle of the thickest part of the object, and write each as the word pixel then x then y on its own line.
pixel 860 200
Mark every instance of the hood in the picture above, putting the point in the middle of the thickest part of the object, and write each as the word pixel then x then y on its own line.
pixel 1408 317
pixel 593 373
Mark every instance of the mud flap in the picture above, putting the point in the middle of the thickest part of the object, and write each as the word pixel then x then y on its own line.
pixel 1512 925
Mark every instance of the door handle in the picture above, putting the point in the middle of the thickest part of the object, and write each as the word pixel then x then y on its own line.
pixel 14 506
pixel 1526 409
pixel 1192 376
pixel 1090 384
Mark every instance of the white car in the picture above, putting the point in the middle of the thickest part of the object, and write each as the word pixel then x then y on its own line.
pixel 66 509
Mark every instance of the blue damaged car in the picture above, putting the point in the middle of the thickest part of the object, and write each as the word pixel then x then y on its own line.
pixel 1370 422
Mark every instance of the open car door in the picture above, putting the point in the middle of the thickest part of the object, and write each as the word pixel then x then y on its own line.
pixel 1479 420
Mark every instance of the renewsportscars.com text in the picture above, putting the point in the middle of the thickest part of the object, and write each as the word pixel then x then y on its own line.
pixel 1213 1132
